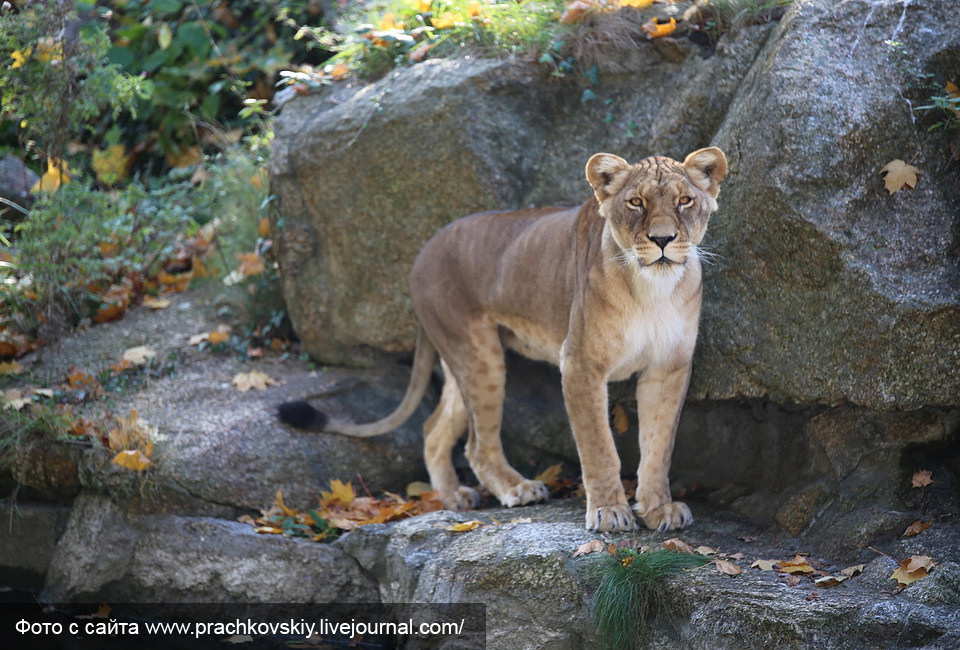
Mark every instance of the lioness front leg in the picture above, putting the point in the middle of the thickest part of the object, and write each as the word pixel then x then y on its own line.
pixel 586 401
pixel 660 395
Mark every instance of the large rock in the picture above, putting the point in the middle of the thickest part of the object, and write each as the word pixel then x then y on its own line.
pixel 366 174
pixel 826 288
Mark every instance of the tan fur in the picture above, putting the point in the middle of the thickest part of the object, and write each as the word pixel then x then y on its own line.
pixel 588 289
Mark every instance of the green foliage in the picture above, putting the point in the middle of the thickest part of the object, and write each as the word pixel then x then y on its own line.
pixel 56 80
pixel 632 594
pixel 394 32
pixel 78 242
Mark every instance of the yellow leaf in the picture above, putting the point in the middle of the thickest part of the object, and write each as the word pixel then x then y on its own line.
pixel 10 368
pixel 340 494
pixel 139 355
pixel 245 381
pixel 899 175
pixel 53 178
pixel 263 228
pixel 656 29
pixel 464 526
pixel 797 565
pixel 923 478
pixel 132 433
pixel 620 421
pixel 278 498
pixel 340 71
pixel 19 58
pixel 446 19
pixel 151 302
pixel 636 4
pixel 164 36
pixel 913 569
pixel 111 165
pixel 132 459
pixel 418 488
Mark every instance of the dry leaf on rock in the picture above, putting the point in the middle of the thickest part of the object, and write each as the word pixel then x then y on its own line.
pixel 898 175
pixel 764 565
pixel 677 544
pixel 151 302
pixel 912 569
pixel 728 568
pixel 923 478
pixel 139 355
pixel 464 526
pixel 593 546
pixel 254 379
pixel 916 528
pixel 132 459
pixel 798 564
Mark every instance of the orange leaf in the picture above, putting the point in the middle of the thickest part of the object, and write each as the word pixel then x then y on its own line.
pixel 916 528
pixel 550 476
pixel 250 263
pixel 132 459
pixel 656 29
pixel 620 421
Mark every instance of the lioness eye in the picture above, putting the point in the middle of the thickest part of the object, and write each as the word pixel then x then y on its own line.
pixel 636 202
pixel 685 200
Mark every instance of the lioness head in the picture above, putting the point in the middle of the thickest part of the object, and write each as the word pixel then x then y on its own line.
pixel 657 209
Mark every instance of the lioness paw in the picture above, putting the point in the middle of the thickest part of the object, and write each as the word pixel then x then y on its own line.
pixel 524 493
pixel 667 516
pixel 618 518
pixel 467 498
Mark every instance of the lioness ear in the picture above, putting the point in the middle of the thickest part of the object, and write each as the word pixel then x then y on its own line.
pixel 706 168
pixel 601 168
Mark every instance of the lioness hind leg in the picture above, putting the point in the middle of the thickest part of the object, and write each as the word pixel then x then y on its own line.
pixel 483 373
pixel 440 434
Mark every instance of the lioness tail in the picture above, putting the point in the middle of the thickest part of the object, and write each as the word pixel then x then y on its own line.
pixel 302 415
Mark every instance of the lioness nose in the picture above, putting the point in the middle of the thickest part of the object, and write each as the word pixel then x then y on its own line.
pixel 661 241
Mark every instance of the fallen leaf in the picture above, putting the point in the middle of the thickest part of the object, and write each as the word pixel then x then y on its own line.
pixel 250 263
pixel 593 546
pixel 577 11
pixel 132 459
pixel 853 571
pixel 139 355
pixel 764 565
pixel 705 550
pixel 728 568
pixel 132 433
pixel 899 175
pixel 464 526
pixel 14 398
pixel 655 29
pixel 636 4
pixel 829 581
pixel 912 569
pixel 254 379
pixel 798 564
pixel 418 488
pixel 156 303
pixel 923 478
pixel 620 421
pixel 10 368
pixel 916 528
pixel 677 544
pixel 340 493
pixel 550 476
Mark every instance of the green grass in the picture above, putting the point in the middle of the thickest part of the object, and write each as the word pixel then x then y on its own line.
pixel 632 592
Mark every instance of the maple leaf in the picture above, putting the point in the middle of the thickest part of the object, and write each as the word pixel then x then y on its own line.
pixel 132 433
pixel 899 175
pixel 920 479
pixel 244 381
pixel 853 571
pixel 728 568
pixel 593 546
pixel 340 493
pixel 916 528
pixel 550 476
pixel 464 526
pixel 912 569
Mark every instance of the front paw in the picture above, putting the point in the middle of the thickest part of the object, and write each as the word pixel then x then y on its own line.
pixel 666 516
pixel 525 492
pixel 616 518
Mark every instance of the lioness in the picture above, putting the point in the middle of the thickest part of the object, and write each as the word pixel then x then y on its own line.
pixel 604 291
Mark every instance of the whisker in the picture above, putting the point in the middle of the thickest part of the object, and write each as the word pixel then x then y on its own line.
pixel 706 255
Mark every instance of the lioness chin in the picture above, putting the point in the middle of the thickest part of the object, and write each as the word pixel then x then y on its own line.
pixel 604 291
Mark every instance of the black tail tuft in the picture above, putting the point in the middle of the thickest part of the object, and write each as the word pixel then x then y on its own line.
pixel 301 415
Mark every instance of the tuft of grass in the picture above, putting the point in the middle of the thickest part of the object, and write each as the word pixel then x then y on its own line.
pixel 632 592
pixel 720 17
